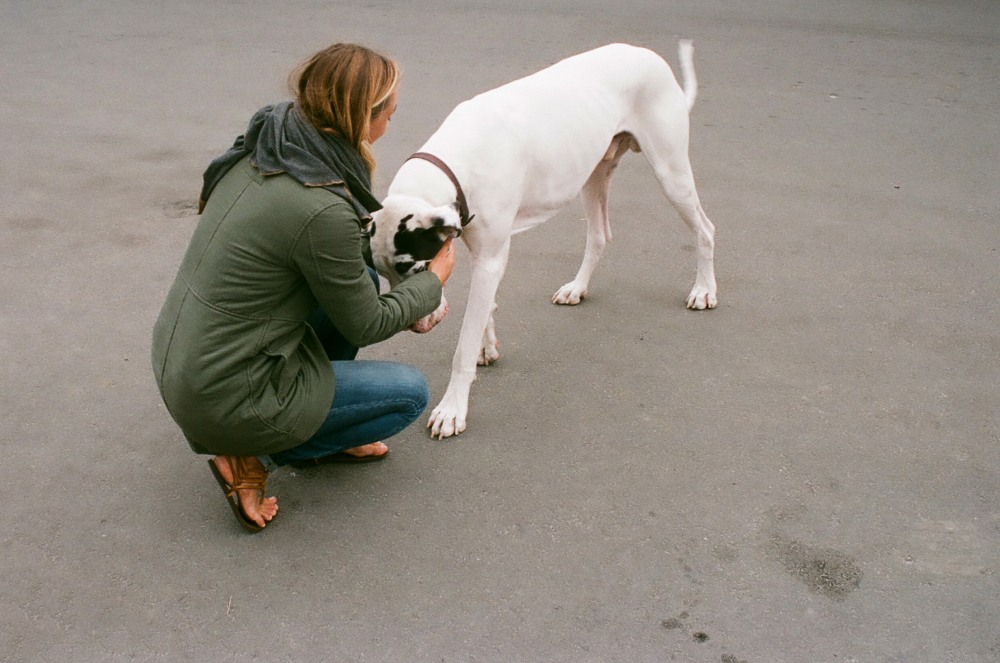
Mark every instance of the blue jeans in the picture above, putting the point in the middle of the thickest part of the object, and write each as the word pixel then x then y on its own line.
pixel 373 400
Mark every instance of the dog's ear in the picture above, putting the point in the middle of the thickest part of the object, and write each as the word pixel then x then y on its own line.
pixel 446 230
pixel 447 222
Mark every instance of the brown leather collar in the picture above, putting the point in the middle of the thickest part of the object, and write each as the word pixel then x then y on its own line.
pixel 463 206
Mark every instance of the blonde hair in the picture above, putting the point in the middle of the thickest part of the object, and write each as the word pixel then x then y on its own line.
pixel 342 88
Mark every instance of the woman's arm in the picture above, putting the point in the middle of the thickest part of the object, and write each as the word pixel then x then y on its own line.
pixel 328 254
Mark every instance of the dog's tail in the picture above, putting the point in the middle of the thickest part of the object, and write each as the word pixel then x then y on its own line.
pixel 686 49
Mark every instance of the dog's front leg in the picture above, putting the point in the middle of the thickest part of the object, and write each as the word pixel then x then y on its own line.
pixel 449 417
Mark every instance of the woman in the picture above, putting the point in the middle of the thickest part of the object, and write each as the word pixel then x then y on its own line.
pixel 253 348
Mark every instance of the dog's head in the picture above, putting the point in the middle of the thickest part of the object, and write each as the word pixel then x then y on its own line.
pixel 407 233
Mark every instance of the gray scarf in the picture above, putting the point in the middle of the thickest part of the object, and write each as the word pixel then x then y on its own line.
pixel 281 140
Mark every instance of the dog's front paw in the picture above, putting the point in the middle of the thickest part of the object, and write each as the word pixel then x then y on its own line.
pixel 446 420
pixel 428 322
pixel 570 294
pixel 702 298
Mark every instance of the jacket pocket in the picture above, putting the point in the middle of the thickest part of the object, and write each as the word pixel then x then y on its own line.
pixel 276 381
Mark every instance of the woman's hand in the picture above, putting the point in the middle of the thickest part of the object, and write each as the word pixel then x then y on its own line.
pixel 444 262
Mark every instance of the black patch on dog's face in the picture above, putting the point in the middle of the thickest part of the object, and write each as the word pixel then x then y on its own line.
pixel 417 246
pixel 403 266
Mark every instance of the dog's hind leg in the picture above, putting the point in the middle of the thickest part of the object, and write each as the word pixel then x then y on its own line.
pixel 595 206
pixel 664 142
pixel 490 351
pixel 680 190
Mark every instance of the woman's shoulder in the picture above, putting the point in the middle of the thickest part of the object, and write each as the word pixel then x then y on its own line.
pixel 296 199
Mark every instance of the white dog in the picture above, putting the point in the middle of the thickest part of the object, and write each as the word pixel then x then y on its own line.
pixel 518 154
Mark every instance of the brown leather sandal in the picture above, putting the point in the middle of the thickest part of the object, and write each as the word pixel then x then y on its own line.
pixel 244 478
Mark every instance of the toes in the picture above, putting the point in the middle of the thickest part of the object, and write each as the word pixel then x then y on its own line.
pixel 447 428
pixel 443 426
pixel 257 516
pixel 434 424
pixel 486 357
pixel 568 296
pixel 258 509
pixel 701 301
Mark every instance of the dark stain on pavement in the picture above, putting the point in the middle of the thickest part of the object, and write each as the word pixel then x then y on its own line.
pixel 823 570
pixel 181 208
pixel 726 552
pixel 729 658
pixel 675 622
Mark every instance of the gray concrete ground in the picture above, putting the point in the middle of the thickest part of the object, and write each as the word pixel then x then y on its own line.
pixel 809 473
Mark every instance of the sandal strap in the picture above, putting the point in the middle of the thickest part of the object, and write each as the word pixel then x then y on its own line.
pixel 245 476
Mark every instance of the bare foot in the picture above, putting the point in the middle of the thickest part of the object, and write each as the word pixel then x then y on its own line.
pixel 257 508
pixel 373 449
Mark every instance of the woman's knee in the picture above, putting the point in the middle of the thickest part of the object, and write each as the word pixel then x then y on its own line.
pixel 413 383
pixel 367 382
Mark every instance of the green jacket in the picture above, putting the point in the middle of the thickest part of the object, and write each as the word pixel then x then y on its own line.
pixel 239 369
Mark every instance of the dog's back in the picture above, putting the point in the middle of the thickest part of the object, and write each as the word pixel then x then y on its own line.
pixel 567 114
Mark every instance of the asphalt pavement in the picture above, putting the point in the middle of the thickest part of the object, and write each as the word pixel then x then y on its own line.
pixel 809 473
